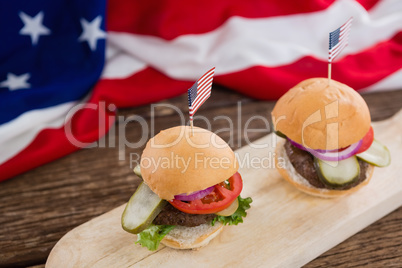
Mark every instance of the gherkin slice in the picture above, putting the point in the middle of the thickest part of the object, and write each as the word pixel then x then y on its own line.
pixel 280 134
pixel 377 155
pixel 137 171
pixel 338 173
pixel 142 208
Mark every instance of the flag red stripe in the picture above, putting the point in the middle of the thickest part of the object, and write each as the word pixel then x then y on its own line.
pixel 174 18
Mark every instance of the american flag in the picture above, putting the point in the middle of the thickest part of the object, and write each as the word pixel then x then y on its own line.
pixel 200 92
pixel 338 39
pixel 53 57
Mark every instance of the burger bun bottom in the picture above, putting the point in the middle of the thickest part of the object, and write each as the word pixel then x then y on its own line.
pixel 289 173
pixel 182 237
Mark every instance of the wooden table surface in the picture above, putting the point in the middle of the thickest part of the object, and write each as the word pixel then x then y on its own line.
pixel 38 207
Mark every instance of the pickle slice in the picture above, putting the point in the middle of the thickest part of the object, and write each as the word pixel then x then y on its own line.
pixel 137 171
pixel 142 208
pixel 280 134
pixel 338 173
pixel 377 155
pixel 229 210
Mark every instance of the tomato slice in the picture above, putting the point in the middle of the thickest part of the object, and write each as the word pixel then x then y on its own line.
pixel 220 198
pixel 367 141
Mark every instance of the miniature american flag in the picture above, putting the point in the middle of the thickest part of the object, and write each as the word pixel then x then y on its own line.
pixel 338 39
pixel 200 92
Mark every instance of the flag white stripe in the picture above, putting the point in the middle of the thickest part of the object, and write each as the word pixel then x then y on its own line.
pixel 20 132
pixel 120 64
pixel 387 83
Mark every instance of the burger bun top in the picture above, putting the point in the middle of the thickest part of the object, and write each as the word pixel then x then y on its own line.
pixel 323 116
pixel 177 162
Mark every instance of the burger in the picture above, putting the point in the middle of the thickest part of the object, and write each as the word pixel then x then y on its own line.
pixel 327 147
pixel 190 190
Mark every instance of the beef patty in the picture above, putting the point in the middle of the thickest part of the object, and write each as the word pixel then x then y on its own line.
pixel 172 216
pixel 303 162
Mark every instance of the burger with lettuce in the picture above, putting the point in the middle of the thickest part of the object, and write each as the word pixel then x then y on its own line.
pixel 190 190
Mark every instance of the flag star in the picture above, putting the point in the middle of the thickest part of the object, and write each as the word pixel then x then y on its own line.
pixel 33 26
pixel 14 82
pixel 91 32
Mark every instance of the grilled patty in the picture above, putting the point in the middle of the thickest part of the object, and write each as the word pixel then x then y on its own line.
pixel 172 216
pixel 303 162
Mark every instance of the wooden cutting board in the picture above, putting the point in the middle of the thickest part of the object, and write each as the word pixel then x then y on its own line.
pixel 284 227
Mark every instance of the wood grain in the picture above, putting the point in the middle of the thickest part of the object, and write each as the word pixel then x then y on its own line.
pixel 42 205
pixel 284 227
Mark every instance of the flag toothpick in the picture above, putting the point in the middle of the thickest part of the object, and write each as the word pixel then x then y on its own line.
pixel 192 127
pixel 338 40
pixel 329 73
pixel 199 93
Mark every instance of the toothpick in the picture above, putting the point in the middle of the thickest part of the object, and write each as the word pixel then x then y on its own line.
pixel 192 127
pixel 329 73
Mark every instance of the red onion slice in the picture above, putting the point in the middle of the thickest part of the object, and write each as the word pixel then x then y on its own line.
pixel 194 195
pixel 331 155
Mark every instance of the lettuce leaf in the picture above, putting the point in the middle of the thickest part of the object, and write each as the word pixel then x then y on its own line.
pixel 237 217
pixel 153 235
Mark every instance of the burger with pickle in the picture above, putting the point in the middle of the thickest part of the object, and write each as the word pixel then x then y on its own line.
pixel 328 147
pixel 190 190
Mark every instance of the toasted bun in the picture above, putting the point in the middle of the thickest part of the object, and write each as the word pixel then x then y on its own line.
pixel 289 173
pixel 182 237
pixel 322 116
pixel 177 162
